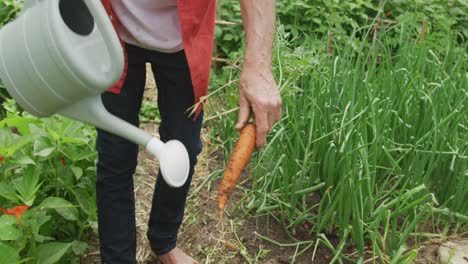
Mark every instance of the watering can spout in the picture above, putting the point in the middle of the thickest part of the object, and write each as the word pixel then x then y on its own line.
pixel 92 111
pixel 172 155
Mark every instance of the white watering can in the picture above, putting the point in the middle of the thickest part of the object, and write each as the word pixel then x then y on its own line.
pixel 59 56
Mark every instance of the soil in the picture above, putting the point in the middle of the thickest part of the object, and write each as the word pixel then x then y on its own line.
pixel 427 254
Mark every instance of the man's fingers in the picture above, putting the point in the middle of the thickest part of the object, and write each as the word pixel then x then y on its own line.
pixel 267 113
pixel 271 121
pixel 244 113
pixel 262 126
pixel 276 114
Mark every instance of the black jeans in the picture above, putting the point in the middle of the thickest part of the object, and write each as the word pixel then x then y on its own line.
pixel 117 157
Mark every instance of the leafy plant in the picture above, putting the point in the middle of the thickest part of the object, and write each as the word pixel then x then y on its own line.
pixel 149 112
pixel 323 23
pixel 8 11
pixel 47 166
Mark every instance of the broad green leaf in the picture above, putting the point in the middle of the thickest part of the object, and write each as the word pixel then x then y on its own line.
pixel 77 141
pixel 45 152
pixel 53 134
pixel 83 199
pixel 61 206
pixel 79 247
pixel 37 130
pixel 8 254
pixel 77 154
pixel 66 130
pixel 41 239
pixel 21 123
pixel 35 222
pixel 93 225
pixel 67 178
pixel 10 143
pixel 8 228
pixel 77 171
pixel 28 185
pixel 6 136
pixel 228 37
pixel 24 160
pixel 43 147
pixel 8 192
pixel 42 218
pixel 67 150
pixel 7 220
pixel 52 252
pixel 72 127
pixel 86 155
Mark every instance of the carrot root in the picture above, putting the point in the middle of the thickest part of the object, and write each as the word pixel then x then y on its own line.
pixel 238 159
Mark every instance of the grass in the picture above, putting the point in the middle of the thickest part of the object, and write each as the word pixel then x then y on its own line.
pixel 372 146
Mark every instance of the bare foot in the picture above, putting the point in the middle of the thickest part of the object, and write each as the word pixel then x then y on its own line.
pixel 176 256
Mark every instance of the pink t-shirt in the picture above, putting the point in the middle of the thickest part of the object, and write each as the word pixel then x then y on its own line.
pixel 150 24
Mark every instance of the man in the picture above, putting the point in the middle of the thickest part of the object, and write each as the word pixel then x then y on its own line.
pixel 176 37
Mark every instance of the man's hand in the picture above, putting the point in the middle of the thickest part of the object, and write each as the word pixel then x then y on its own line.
pixel 258 92
pixel 257 88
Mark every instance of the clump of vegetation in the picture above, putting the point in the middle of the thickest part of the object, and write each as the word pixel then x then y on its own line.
pixel 318 22
pixel 372 147
pixel 8 11
pixel 47 193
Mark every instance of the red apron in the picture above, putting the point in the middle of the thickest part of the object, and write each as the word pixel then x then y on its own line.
pixel 197 19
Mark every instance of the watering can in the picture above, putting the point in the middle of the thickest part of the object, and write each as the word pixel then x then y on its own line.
pixel 59 56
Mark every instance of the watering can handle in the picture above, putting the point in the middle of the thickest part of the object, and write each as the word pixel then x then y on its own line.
pixel 108 32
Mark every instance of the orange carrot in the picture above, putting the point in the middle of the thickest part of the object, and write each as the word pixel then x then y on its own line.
pixel 237 161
